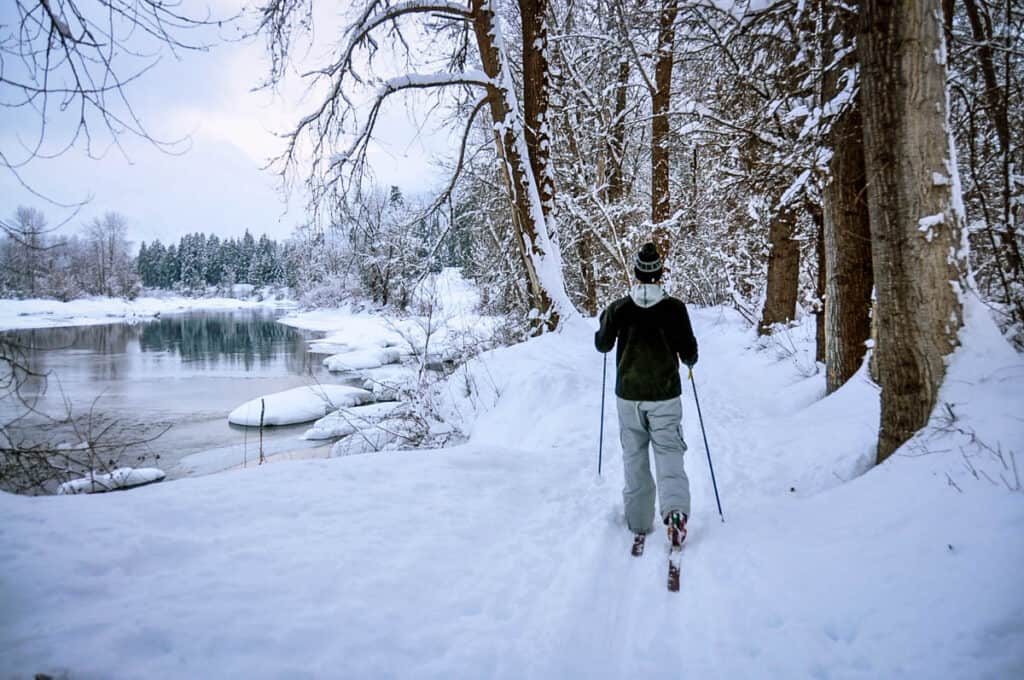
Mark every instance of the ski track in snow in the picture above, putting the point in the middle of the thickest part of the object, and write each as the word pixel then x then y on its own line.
pixel 508 557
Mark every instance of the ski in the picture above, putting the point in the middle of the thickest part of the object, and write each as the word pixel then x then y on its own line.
pixel 674 554
pixel 638 545
pixel 676 536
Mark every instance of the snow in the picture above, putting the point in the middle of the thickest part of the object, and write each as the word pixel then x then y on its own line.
pixel 361 359
pixel 121 478
pixel 348 420
pixel 364 339
pixel 298 405
pixel 44 313
pixel 507 556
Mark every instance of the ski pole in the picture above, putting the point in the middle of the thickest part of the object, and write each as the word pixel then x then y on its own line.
pixel 600 440
pixel 705 435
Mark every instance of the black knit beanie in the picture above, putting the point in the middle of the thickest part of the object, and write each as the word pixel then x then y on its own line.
pixel 647 265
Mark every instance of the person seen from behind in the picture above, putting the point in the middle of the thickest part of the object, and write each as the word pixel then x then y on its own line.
pixel 652 333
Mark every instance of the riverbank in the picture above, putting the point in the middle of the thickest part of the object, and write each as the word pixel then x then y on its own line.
pixel 95 311
pixel 189 362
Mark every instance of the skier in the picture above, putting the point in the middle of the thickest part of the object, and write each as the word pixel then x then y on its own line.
pixel 653 333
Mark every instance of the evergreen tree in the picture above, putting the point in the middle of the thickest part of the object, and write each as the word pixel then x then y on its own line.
pixel 171 267
pixel 247 252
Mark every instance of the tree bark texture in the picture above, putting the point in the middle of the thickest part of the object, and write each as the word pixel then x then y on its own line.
pixel 916 233
pixel 537 97
pixel 661 203
pixel 819 310
pixel 848 272
pixel 540 261
pixel 783 271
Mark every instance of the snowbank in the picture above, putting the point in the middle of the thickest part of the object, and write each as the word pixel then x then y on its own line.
pixel 362 359
pixel 121 478
pixel 298 405
pixel 379 437
pixel 348 420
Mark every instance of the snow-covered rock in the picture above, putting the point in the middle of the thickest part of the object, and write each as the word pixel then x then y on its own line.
pixel 298 405
pixel 121 478
pixel 348 420
pixel 362 359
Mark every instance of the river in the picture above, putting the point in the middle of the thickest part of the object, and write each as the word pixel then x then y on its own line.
pixel 185 371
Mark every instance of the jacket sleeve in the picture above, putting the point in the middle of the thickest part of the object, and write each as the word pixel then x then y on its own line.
pixel 604 338
pixel 687 347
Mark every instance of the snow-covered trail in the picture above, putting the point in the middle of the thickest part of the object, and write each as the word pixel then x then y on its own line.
pixel 508 557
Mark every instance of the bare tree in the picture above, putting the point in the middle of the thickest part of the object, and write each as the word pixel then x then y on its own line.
pixel 25 243
pixel 986 74
pixel 518 113
pixel 109 257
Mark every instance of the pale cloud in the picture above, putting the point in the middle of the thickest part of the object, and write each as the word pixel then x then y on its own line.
pixel 246 133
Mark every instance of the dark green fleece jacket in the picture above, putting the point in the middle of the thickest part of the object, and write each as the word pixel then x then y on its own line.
pixel 653 334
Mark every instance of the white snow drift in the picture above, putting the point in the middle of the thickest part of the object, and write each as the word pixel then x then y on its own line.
pixel 362 359
pixel 348 420
pixel 121 478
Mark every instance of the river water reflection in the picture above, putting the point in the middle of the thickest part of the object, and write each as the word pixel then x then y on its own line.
pixel 188 370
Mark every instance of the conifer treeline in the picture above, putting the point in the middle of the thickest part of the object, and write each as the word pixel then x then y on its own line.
pixel 199 260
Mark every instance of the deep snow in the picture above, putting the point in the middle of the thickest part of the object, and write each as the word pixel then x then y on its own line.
pixel 507 557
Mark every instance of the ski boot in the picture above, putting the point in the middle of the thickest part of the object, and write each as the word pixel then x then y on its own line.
pixel 676 522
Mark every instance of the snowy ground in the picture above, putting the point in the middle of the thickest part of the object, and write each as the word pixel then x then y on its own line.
pixel 443 321
pixel 507 557
pixel 40 313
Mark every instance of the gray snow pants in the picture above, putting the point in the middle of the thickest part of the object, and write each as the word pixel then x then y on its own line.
pixel 658 423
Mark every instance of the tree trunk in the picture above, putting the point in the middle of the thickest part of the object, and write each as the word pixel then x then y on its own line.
pixel 587 274
pixel 783 271
pixel 617 137
pixel 537 97
pixel 540 259
pixel 916 242
pixel 661 203
pixel 848 278
pixel 820 354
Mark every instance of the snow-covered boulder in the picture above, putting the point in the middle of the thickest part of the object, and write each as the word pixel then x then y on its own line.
pixel 348 420
pixel 298 405
pixel 363 359
pixel 121 478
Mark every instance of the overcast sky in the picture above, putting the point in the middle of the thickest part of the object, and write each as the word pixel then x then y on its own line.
pixel 217 185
